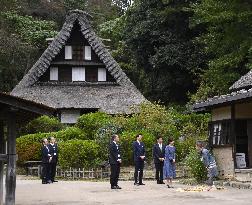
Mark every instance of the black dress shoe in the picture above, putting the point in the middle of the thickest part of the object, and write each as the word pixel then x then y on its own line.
pixel 136 184
pixel 158 182
pixel 162 182
pixel 141 184
pixel 113 187
pixel 118 187
pixel 54 181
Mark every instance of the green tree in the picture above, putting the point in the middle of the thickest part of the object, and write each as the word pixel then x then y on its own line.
pixel 158 36
pixel 227 41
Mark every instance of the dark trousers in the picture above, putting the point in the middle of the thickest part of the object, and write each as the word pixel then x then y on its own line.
pixel 159 171
pixel 114 176
pixel 52 170
pixel 138 175
pixel 45 174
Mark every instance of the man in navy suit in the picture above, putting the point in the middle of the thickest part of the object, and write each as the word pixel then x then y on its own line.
pixel 158 156
pixel 114 161
pixel 53 149
pixel 139 158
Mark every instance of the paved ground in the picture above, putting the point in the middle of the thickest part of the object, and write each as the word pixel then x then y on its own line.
pixel 32 192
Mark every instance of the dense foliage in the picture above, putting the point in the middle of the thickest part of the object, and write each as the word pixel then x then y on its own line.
pixel 227 41
pixel 41 124
pixel 197 168
pixel 95 130
pixel 173 51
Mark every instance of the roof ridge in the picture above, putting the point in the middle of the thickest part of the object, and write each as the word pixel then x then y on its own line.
pixel 43 63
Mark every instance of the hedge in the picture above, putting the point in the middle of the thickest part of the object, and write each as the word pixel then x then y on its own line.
pixel 29 146
pixel 42 124
pixel 78 154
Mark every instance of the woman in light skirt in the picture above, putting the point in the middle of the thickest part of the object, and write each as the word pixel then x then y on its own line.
pixel 169 163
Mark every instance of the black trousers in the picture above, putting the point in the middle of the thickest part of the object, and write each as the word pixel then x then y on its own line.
pixel 138 175
pixel 114 176
pixel 159 171
pixel 52 170
pixel 45 174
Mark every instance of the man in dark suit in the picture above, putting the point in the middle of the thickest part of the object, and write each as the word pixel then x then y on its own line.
pixel 53 149
pixel 46 159
pixel 114 161
pixel 139 158
pixel 158 156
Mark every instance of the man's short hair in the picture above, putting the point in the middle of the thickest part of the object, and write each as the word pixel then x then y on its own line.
pixel 138 135
pixel 113 137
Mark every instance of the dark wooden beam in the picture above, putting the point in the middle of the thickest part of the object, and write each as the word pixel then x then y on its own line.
pixel 26 105
pixel 3 157
pixel 233 133
pixel 11 162
pixel 2 143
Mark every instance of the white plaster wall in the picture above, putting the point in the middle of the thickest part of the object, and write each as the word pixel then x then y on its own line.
pixel 69 116
pixel 221 113
pixel 225 161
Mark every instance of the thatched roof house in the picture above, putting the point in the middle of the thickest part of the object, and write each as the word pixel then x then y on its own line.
pixel 76 74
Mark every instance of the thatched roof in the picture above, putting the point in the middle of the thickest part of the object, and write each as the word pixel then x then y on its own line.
pixel 112 98
pixel 244 82
pixel 241 90
pixel 223 100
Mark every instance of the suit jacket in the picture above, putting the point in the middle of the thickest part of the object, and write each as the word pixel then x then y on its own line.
pixel 158 153
pixel 114 153
pixel 53 150
pixel 138 150
pixel 45 154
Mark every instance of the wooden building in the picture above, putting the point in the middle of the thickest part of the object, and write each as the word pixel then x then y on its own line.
pixel 76 74
pixel 230 129
pixel 14 111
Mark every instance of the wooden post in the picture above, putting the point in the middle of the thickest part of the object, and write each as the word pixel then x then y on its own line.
pixel 233 133
pixel 11 161
pixel 2 144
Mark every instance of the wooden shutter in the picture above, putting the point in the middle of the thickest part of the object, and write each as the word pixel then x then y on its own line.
pixel 102 74
pixel 78 74
pixel 87 53
pixel 54 73
pixel 68 52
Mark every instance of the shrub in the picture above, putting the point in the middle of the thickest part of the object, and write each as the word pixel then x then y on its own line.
pixel 78 153
pixel 29 146
pixel 42 124
pixel 197 168
pixel 91 122
pixel 71 133
pixel 126 140
pixel 103 139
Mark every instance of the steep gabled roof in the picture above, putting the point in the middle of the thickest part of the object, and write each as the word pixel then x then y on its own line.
pixel 110 97
pixel 243 83
pixel 59 42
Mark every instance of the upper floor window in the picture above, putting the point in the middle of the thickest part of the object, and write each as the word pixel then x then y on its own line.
pixel 78 53
pixel 54 75
pixel 87 55
pixel 68 52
